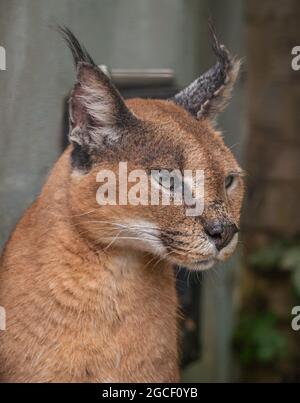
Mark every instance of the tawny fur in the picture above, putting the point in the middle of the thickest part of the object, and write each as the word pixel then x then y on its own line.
pixel 76 314
pixel 81 312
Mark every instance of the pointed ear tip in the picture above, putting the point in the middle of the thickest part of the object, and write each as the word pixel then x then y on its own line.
pixel 221 50
pixel 81 65
pixel 85 70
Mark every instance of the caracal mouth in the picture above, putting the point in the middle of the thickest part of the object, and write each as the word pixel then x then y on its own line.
pixel 221 256
pixel 202 265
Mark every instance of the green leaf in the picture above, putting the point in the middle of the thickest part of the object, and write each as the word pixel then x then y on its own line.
pixel 258 340
pixel 268 258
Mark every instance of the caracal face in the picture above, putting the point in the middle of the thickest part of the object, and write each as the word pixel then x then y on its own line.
pixel 154 136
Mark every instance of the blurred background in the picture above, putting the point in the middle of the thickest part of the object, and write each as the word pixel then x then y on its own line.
pixel 238 317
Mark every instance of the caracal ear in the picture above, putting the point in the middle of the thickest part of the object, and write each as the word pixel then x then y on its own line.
pixel 209 94
pixel 98 114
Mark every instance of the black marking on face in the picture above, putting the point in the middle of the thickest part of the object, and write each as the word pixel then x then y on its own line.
pixel 80 159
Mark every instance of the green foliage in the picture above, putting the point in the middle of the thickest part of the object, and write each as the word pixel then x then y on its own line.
pixel 259 341
pixel 282 255
pixel 268 258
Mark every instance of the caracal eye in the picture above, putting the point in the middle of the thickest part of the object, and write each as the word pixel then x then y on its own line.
pixel 229 181
pixel 163 178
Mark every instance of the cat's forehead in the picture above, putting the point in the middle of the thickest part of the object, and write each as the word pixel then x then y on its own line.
pixel 171 120
pixel 162 112
pixel 176 132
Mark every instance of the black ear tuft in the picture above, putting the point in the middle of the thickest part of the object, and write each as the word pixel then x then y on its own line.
pixel 208 95
pixel 223 56
pixel 79 52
